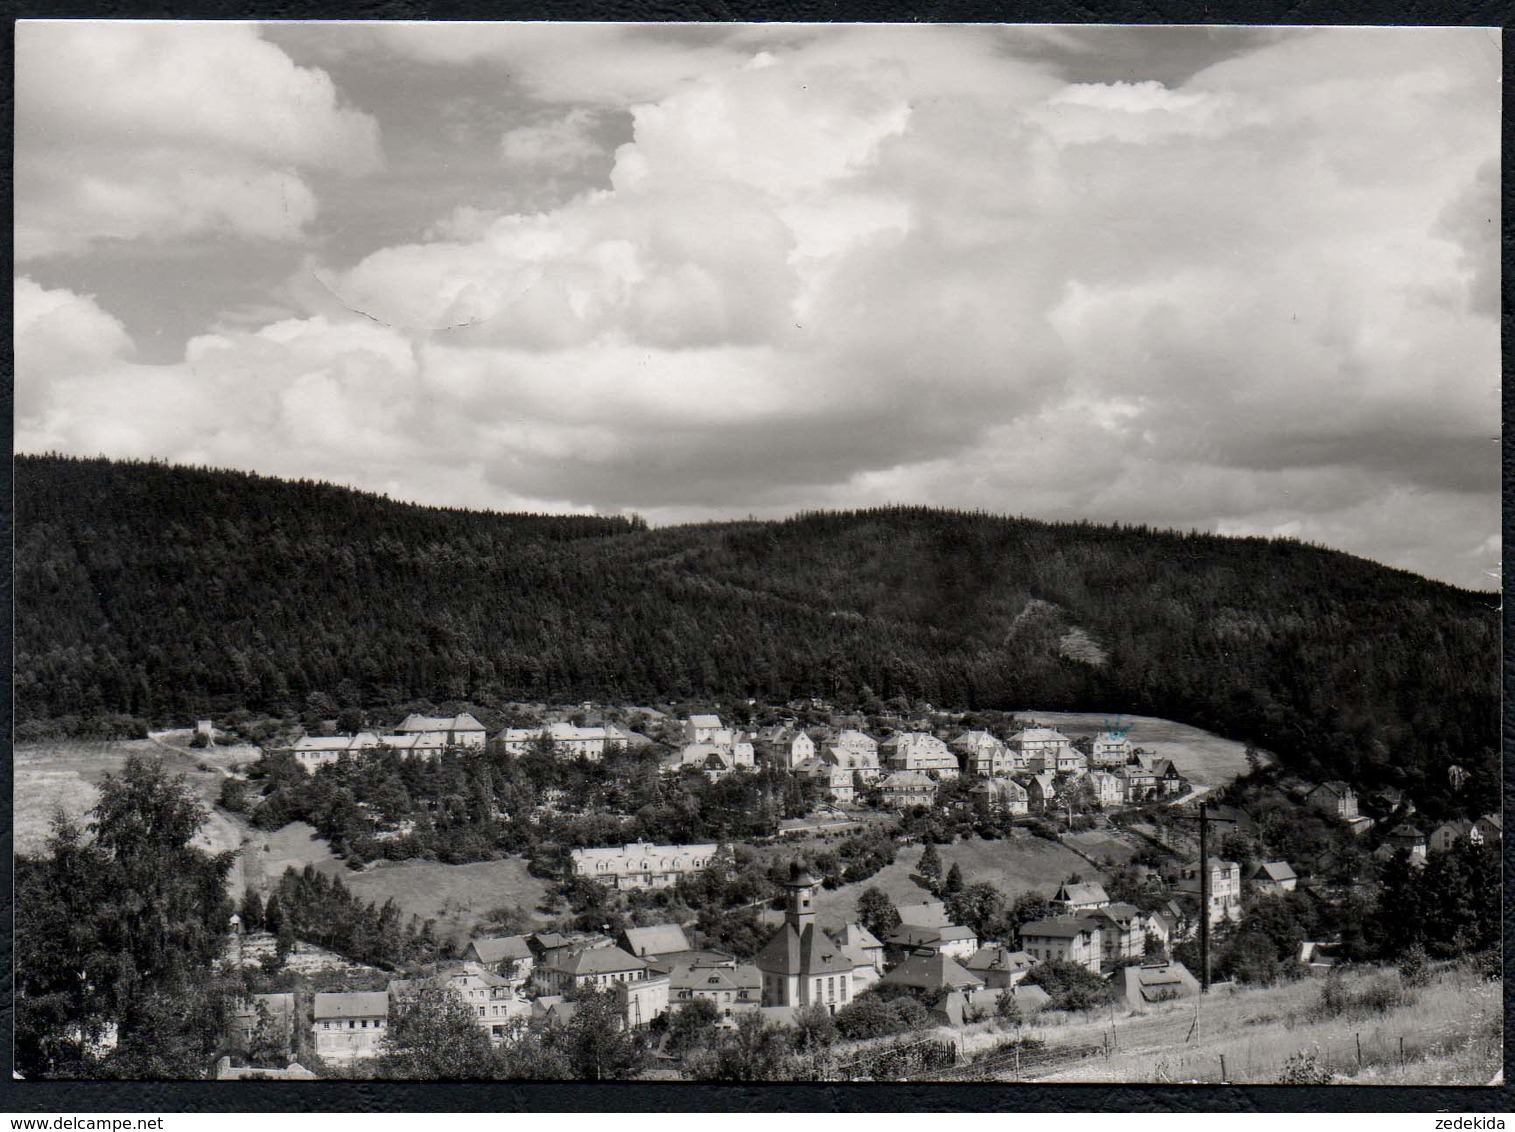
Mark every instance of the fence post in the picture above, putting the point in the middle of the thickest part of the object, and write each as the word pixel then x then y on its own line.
pixel 1401 1051
pixel 1359 1049
pixel 1222 1069
pixel 1018 1061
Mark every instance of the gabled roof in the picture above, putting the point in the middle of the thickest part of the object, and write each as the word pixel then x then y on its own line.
pixel 1276 871
pixel 1059 927
pixel 1089 892
pixel 1039 734
pixel 351 1004
pixel 497 949
pixel 855 935
pixel 464 722
pixel 999 959
pixel 705 720
pixel 661 939
pixel 743 979
pixel 927 914
pixel 930 971
pixel 597 961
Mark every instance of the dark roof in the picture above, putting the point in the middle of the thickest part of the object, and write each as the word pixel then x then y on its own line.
pixel 930 970
pixel 351 1004
pixel 597 961
pixel 1274 871
pixel 1065 927
pixel 999 959
pixel 813 953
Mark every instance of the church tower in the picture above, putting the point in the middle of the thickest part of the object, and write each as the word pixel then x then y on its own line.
pixel 801 888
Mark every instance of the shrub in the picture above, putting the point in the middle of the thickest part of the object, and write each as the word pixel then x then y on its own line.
pixel 1304 1068
pixel 1414 968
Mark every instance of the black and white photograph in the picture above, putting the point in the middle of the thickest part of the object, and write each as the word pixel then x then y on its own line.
pixel 757 552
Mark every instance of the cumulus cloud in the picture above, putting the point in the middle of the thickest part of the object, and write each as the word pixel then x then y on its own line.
pixel 836 266
pixel 159 130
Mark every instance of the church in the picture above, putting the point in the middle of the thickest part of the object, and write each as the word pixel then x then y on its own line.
pixel 801 964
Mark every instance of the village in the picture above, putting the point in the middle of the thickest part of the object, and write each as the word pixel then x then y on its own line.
pixel 1135 948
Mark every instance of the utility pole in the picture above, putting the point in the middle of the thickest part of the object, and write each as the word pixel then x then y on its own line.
pixel 1205 819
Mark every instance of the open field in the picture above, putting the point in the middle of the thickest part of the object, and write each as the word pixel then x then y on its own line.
pixel 1451 1032
pixel 1015 866
pixel 66 774
pixel 458 897
pixel 1200 756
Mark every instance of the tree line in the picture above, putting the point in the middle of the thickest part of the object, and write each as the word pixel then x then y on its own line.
pixel 154 593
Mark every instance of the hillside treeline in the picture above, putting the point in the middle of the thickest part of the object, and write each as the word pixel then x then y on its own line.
pixel 166 593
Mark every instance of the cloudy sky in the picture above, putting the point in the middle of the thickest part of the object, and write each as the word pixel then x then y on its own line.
pixel 1241 280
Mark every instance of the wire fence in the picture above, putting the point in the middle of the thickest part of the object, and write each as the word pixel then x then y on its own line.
pixel 1180 1052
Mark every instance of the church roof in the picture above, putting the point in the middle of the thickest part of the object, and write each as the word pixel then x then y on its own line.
pixel 811 952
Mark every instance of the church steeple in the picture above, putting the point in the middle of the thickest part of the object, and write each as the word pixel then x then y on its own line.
pixel 801 887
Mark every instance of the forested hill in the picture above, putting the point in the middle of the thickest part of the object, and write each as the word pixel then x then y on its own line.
pixel 168 593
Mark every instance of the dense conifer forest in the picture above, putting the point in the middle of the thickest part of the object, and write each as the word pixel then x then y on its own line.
pixel 167 593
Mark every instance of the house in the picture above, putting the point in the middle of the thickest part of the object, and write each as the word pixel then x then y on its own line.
pixel 917 751
pixel 1334 798
pixel 599 968
pixel 953 940
pixel 1037 748
pixel 569 741
pixel 1449 833
pixel 490 997
pixel 1002 796
pixel 278 1009
pixel 1067 760
pixel 731 989
pixel 640 1001
pixel 905 788
pixel 1109 789
pixel 801 965
pixel 999 966
pixel 544 945
pixel 1170 783
pixel 1070 939
pixel 315 751
pixel 1272 877
pixel 865 942
pixel 701 728
pixel 837 783
pixel 1403 836
pixel 1490 828
pixel 507 956
pixel 927 972
pixel 927 914
pixel 784 748
pixel 349 1025
pixel 1110 749
pixel 1225 889
pixel 852 751
pixel 1041 791
pixel 1122 932
pixel 640 864
pixel 1148 983
pixel 1141 783
pixel 1080 896
pixel 983 754
pixel 650 943
pixel 454 731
